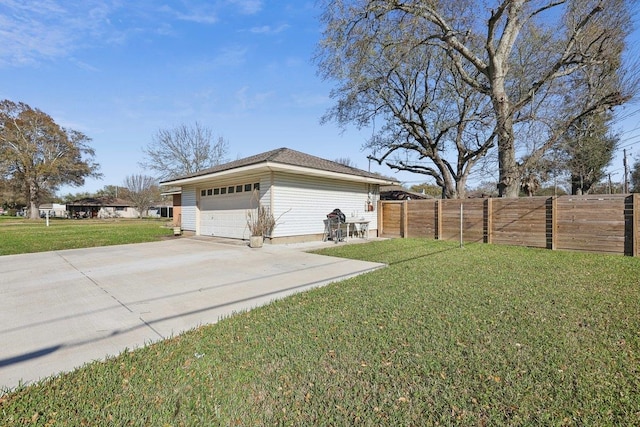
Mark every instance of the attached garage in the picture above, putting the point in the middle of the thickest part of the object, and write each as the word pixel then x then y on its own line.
pixel 299 189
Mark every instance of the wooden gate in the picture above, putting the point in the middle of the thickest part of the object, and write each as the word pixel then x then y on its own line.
pixel 391 215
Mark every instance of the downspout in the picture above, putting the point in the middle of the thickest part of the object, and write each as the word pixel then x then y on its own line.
pixel 271 200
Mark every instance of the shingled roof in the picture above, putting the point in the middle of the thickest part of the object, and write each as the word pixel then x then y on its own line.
pixel 285 156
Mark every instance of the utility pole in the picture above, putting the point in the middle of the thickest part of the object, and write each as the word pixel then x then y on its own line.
pixel 626 172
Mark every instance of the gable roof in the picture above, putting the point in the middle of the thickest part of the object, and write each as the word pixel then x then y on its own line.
pixel 284 159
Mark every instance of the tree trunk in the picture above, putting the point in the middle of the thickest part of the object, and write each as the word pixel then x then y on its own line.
pixel 34 201
pixel 461 187
pixel 509 179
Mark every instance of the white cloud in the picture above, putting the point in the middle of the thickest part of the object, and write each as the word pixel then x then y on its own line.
pixel 310 100
pixel 193 12
pixel 83 65
pixel 41 30
pixel 248 7
pixel 267 29
pixel 209 18
pixel 226 58
pixel 248 101
pixel 47 29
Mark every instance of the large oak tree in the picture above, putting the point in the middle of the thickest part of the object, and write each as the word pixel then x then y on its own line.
pixel 542 65
pixel 433 124
pixel 37 155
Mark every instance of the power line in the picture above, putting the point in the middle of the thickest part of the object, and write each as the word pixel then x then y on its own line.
pixel 628 115
pixel 629 141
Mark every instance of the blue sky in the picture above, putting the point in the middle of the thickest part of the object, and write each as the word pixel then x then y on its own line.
pixel 119 70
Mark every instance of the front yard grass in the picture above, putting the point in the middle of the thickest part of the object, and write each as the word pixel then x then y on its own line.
pixel 484 335
pixel 18 235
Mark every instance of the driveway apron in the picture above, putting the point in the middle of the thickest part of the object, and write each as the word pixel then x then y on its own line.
pixel 62 309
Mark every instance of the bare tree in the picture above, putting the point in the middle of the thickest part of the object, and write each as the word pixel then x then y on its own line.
pixel 346 161
pixel 183 150
pixel 432 123
pixel 142 190
pixel 521 56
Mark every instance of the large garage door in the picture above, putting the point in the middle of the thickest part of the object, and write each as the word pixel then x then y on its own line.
pixel 225 216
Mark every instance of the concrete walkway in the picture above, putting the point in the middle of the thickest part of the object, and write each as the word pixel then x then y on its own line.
pixel 60 310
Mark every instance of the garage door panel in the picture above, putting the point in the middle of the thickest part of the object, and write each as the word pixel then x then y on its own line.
pixel 225 216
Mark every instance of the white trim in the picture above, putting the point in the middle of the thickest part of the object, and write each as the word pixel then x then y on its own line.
pixel 279 167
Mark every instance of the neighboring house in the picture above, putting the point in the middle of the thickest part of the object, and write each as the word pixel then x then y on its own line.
pixel 299 189
pixel 396 192
pixel 54 210
pixel 101 207
pixel 176 206
pixel 160 210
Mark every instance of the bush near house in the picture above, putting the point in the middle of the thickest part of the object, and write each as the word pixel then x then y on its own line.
pixel 484 335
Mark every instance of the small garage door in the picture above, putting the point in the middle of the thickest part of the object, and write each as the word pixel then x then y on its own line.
pixel 225 215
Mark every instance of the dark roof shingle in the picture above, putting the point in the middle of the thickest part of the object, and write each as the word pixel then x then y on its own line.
pixel 286 156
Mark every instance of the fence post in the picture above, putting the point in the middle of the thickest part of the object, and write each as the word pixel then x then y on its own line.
pixel 635 218
pixel 461 224
pixel 554 222
pixel 488 212
pixel 439 219
pixel 405 219
pixel 380 218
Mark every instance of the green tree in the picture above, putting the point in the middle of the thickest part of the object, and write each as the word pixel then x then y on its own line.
pixel 38 155
pixel 635 176
pixel 10 196
pixel 588 146
pixel 72 197
pixel 522 57
pixel 109 191
pixel 428 189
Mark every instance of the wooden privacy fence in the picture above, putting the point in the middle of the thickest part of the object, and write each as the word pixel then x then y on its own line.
pixel 595 223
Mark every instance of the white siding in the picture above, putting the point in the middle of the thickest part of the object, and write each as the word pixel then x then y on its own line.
pixel 188 209
pixel 304 203
pixel 300 204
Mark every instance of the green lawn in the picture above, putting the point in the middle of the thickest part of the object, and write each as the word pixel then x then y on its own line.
pixel 484 335
pixel 18 235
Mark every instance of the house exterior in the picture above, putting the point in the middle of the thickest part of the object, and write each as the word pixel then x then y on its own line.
pixel 397 192
pixel 54 210
pixel 175 193
pixel 299 189
pixel 101 207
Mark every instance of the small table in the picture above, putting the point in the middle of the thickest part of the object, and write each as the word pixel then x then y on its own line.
pixel 360 226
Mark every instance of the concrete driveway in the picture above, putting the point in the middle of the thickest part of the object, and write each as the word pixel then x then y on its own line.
pixel 60 310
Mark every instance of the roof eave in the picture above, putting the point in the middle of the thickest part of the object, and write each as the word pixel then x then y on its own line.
pixel 280 167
